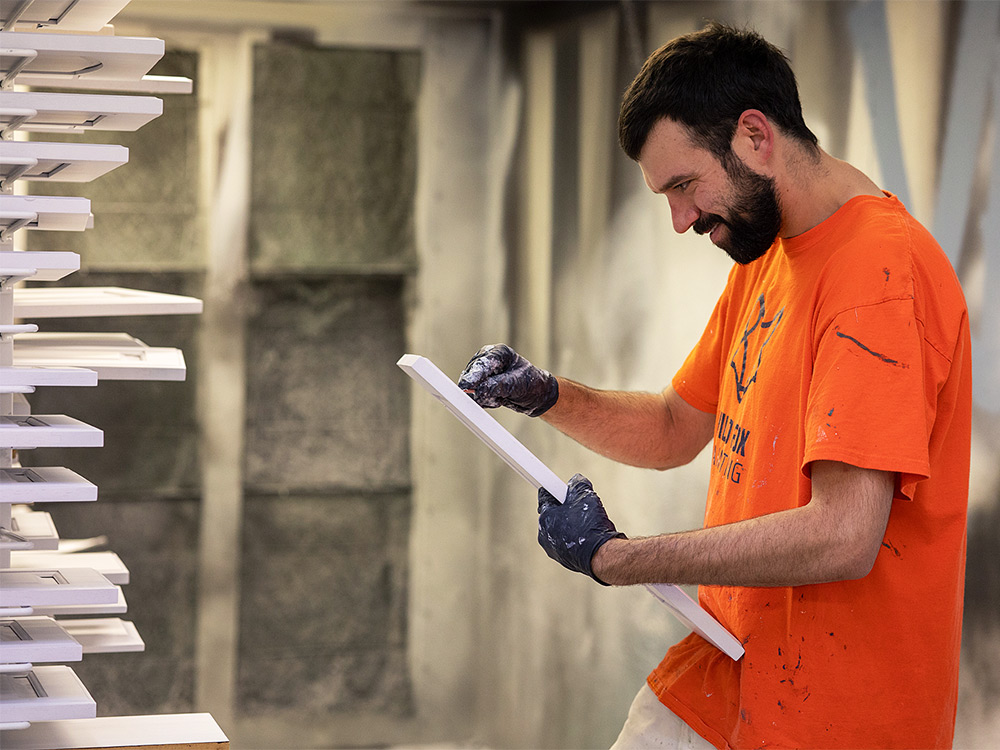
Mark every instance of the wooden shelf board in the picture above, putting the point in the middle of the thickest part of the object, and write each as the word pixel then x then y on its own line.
pixel 160 732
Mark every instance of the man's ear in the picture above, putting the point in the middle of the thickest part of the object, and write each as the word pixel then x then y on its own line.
pixel 753 140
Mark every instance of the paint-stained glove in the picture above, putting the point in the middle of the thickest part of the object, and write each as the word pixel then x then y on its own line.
pixel 499 376
pixel 571 532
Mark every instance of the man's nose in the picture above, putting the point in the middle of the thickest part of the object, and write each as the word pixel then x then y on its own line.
pixel 684 214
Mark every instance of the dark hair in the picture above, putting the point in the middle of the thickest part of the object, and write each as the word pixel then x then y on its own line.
pixel 705 80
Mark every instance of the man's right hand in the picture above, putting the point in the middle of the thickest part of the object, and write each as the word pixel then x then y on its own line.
pixel 499 376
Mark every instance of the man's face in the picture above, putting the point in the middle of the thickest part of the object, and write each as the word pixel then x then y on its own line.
pixel 737 207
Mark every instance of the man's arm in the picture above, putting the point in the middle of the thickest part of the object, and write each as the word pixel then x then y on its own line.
pixel 836 536
pixel 650 430
pixel 656 431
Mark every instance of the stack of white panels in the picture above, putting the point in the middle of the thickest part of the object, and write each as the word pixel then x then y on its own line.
pixel 48 46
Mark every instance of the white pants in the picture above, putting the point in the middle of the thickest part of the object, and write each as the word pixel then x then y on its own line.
pixel 650 725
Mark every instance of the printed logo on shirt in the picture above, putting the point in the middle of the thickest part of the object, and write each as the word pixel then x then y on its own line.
pixel 729 448
pixel 743 358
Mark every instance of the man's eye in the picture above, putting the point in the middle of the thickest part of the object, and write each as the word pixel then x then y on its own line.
pixel 682 186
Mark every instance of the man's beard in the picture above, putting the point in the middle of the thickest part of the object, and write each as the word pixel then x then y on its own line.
pixel 754 218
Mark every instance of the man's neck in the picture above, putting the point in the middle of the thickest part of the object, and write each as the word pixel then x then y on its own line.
pixel 813 188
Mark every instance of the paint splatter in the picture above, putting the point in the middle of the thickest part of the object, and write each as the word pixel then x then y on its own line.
pixel 889 546
pixel 875 354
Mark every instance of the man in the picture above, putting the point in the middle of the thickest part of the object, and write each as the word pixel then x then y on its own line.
pixel 833 382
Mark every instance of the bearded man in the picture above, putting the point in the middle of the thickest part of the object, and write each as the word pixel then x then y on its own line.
pixel 833 381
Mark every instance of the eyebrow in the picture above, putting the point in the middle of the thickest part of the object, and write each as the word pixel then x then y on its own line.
pixel 673 182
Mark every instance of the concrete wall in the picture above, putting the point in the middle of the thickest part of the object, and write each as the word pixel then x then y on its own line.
pixel 455 181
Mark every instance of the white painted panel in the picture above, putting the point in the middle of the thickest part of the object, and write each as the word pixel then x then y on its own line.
pixel 65 15
pixel 51 213
pixel 59 162
pixel 107 563
pixel 145 85
pixel 37 527
pixel 106 635
pixel 92 58
pixel 44 484
pixel 48 431
pixel 112 356
pixel 44 694
pixel 44 112
pixel 97 301
pixel 118 607
pixel 36 640
pixel 525 463
pixel 38 265
pixel 61 373
pixel 118 732
pixel 55 587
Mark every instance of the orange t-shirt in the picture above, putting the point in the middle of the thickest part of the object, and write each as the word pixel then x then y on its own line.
pixel 847 343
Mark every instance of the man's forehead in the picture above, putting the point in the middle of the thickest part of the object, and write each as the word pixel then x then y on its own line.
pixel 670 153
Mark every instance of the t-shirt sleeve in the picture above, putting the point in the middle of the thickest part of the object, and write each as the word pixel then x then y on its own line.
pixel 697 381
pixel 867 404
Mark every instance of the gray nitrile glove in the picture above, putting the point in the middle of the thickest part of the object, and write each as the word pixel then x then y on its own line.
pixel 571 532
pixel 499 376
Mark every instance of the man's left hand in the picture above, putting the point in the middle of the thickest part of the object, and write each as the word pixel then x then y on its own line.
pixel 571 532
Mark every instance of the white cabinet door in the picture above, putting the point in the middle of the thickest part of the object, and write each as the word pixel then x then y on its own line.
pixel 112 356
pixel 66 15
pixel 49 213
pixel 38 265
pixel 31 57
pixel 32 374
pixel 117 608
pixel 48 431
pixel 36 527
pixel 107 563
pixel 36 640
pixel 98 301
pixel 68 586
pixel 105 635
pixel 59 162
pixel 43 112
pixel 45 694
pixel 44 484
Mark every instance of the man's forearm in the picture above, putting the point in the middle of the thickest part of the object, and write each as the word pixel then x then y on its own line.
pixel 835 537
pixel 636 428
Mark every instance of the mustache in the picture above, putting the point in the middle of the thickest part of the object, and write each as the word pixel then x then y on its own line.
pixel 706 222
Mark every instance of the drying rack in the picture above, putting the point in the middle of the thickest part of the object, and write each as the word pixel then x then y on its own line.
pixel 45 579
